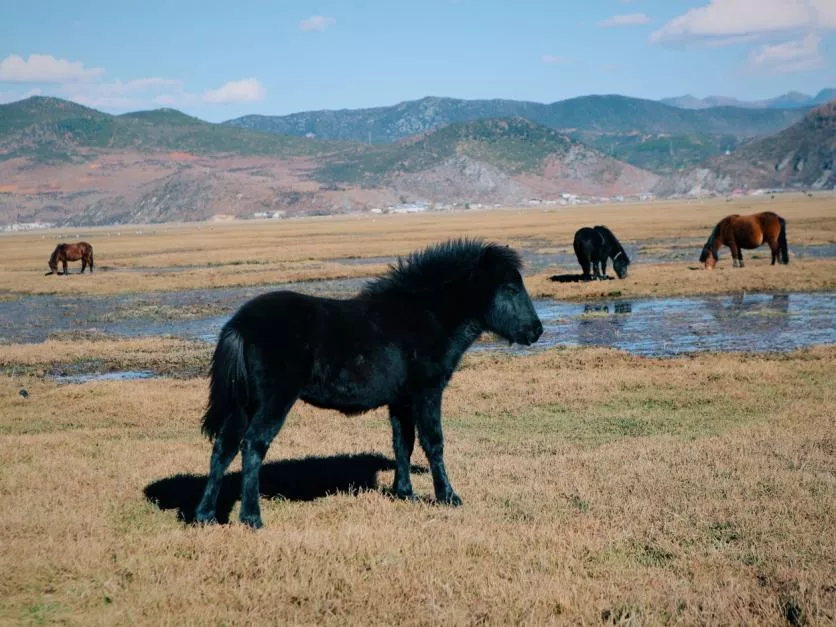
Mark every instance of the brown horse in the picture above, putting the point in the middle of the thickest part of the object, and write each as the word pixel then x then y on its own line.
pixel 71 252
pixel 739 232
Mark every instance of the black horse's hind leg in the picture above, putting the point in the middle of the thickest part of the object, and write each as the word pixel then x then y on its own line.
pixel 223 452
pixel 266 423
pixel 403 441
pixel 583 259
pixel 596 272
pixel 428 420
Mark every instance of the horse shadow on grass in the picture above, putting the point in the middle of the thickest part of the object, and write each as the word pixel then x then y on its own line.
pixel 304 479
pixel 576 278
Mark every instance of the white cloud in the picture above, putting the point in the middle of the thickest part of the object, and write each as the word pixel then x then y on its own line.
pixel 44 68
pixel 793 56
pixel 552 58
pixel 245 90
pixel 736 18
pixel 631 19
pixel 316 23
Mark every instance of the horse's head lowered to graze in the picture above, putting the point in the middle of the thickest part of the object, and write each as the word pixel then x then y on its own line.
pixel 620 260
pixel 708 256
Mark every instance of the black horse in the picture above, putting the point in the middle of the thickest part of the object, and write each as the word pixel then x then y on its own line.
pixel 396 343
pixel 593 246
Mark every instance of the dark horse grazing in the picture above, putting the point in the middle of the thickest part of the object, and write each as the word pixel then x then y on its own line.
pixel 739 232
pixel 71 252
pixel 593 246
pixel 396 343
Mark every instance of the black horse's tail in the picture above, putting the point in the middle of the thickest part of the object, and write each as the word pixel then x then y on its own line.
pixel 782 241
pixel 228 385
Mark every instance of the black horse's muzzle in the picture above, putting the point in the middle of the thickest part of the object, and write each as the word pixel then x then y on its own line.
pixel 532 333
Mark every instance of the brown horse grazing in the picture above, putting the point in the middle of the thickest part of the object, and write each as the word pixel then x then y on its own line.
pixel 739 232
pixel 71 252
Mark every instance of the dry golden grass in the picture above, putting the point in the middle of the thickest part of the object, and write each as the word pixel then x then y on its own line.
pixel 168 356
pixel 597 486
pixel 255 253
pixel 678 279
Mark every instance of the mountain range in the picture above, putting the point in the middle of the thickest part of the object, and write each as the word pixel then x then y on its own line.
pixel 587 115
pixel 790 100
pixel 64 163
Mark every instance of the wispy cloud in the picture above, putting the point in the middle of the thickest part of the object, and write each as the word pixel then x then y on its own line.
pixel 245 90
pixel 44 68
pixel 631 19
pixel 316 23
pixel 553 58
pixel 736 18
pixel 802 55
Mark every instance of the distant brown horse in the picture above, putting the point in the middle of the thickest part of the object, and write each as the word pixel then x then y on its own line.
pixel 739 232
pixel 71 252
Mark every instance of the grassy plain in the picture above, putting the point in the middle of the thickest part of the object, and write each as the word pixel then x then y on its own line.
pixel 175 257
pixel 599 487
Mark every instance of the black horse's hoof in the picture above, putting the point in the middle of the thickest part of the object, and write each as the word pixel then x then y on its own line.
pixel 205 518
pixel 253 522
pixel 404 495
pixel 451 499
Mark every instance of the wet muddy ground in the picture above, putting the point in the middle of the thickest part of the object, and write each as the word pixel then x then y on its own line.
pixel 654 327
pixel 662 326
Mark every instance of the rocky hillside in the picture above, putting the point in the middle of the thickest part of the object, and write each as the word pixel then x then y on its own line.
pixel 66 164
pixel 496 160
pixel 801 156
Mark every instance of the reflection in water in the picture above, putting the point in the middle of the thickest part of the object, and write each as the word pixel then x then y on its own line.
pixel 673 326
pixel 597 327
pixel 757 314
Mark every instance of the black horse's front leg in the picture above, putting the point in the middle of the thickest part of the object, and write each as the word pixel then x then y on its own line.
pixel 403 441
pixel 604 269
pixel 427 414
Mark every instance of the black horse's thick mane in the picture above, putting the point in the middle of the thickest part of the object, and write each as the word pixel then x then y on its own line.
pixel 612 240
pixel 443 264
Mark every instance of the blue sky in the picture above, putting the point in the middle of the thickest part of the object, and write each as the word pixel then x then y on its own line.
pixel 221 59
